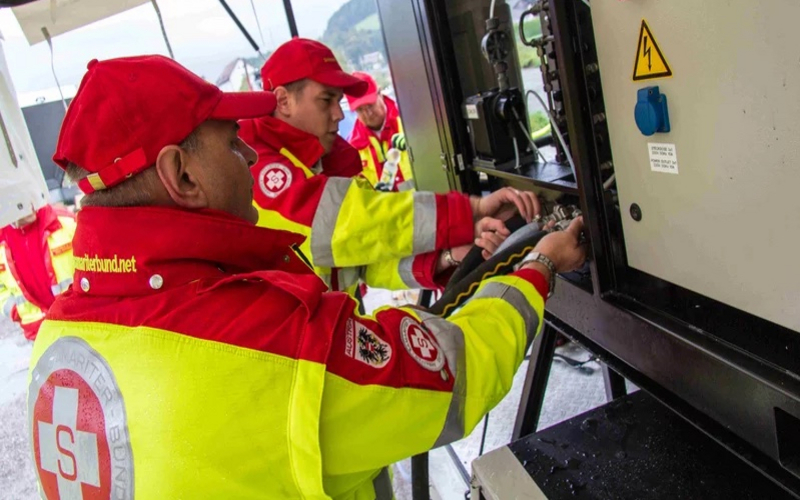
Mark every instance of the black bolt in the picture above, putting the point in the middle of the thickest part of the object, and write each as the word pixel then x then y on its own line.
pixel 636 212
pixel 19 206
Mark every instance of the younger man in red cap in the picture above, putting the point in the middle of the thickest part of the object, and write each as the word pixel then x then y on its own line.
pixel 392 241
pixel 378 130
pixel 196 356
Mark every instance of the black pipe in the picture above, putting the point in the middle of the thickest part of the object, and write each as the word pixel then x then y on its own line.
pixel 240 25
pixel 545 140
pixel 287 6
pixel 420 489
pixel 474 258
pixel 501 262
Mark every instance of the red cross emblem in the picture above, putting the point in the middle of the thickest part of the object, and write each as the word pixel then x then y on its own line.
pixel 80 439
pixel 274 179
pixel 421 345
pixel 69 441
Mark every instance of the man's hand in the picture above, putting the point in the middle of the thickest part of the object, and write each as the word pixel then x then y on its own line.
pixel 490 233
pixel 504 203
pixel 563 248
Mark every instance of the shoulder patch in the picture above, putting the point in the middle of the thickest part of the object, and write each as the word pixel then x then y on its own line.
pixel 421 345
pixel 364 345
pixel 274 179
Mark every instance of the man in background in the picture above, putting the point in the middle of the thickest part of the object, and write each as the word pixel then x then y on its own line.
pixel 35 265
pixel 378 130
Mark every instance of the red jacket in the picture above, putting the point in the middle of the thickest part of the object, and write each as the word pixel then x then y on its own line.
pixel 39 258
pixel 341 161
pixel 347 223
pixel 335 379
pixel 29 256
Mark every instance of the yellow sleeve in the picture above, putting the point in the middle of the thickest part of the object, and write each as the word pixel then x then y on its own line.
pixel 431 381
pixel 416 272
pixel 354 225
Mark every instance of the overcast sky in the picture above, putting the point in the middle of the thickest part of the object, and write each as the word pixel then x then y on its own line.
pixel 202 35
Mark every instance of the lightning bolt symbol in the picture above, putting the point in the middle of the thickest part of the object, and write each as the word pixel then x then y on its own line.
pixel 647 53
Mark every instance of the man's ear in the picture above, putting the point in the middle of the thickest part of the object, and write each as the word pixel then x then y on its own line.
pixel 180 179
pixel 284 105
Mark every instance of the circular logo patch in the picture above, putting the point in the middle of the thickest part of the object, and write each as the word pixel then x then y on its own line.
pixel 274 179
pixel 421 345
pixel 77 420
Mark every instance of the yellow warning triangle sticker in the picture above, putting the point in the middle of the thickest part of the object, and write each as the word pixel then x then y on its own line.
pixel 650 62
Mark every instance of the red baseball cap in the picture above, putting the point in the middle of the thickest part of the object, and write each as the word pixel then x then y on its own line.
pixel 370 97
pixel 300 58
pixel 126 110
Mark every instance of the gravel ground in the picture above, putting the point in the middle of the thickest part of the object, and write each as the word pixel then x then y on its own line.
pixel 17 476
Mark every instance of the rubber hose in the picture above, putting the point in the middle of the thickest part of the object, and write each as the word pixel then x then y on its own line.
pixel 500 263
pixel 474 258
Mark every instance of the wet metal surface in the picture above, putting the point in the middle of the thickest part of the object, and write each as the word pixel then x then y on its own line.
pixel 636 448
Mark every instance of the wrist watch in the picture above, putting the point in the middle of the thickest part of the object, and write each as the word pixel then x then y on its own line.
pixel 546 262
pixel 448 257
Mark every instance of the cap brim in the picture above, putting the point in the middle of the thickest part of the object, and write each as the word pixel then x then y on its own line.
pixel 242 105
pixel 356 103
pixel 350 85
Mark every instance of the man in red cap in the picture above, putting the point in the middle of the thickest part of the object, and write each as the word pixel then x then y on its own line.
pixel 392 241
pixel 35 265
pixel 197 356
pixel 378 130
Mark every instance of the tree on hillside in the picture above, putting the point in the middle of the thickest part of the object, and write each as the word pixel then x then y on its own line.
pixel 348 42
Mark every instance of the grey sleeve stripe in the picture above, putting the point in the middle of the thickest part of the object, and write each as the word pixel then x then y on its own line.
pixel 349 276
pixel 61 287
pixel 424 223
pixel 451 339
pixel 325 220
pixel 407 185
pixel 8 306
pixel 383 485
pixel 517 301
pixel 405 270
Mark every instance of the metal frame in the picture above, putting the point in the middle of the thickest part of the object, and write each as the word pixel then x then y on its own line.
pixel 421 84
pixel 723 370
pixel 707 359
pixel 290 20
pixel 712 367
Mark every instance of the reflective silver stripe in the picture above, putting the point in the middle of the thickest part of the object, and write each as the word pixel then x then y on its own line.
pixel 424 223
pixel 8 306
pixel 345 277
pixel 451 339
pixel 324 277
pixel 383 485
pixel 407 186
pixel 348 276
pixel 516 299
pixel 325 218
pixel 61 287
pixel 405 270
